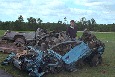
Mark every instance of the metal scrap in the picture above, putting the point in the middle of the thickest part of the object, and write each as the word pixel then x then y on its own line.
pixel 54 52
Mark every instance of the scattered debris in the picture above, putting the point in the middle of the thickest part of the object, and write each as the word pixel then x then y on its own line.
pixel 7 48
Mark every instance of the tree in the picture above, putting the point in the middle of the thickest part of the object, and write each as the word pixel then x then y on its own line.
pixel 93 22
pixel 39 21
pixel 60 22
pixel 65 20
pixel 88 23
pixel 83 21
pixel 20 18
pixel 31 20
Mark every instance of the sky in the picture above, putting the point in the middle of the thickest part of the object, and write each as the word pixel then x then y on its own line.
pixel 103 11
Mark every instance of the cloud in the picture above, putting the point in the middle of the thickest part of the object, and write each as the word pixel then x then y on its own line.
pixel 54 10
pixel 102 11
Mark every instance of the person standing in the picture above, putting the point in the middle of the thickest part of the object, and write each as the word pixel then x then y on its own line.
pixel 72 30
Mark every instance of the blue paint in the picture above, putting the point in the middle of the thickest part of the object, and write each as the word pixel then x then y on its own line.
pixel 76 53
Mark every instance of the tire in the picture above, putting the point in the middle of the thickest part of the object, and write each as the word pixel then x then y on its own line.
pixel 20 41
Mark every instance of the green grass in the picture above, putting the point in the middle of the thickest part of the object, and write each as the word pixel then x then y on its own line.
pixel 106 69
pixel 2 32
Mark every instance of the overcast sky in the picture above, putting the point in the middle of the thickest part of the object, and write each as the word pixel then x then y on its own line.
pixel 103 11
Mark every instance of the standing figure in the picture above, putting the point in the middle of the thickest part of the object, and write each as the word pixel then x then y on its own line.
pixel 72 30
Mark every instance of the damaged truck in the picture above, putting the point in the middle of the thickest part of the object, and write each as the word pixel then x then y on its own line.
pixel 64 56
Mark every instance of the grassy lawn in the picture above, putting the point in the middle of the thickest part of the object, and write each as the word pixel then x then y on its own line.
pixel 106 69
pixel 2 32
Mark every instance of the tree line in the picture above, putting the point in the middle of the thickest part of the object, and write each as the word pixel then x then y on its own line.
pixel 34 23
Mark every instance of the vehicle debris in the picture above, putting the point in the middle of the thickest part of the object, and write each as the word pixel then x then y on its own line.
pixel 21 38
pixel 50 56
pixel 7 47
pixel 39 36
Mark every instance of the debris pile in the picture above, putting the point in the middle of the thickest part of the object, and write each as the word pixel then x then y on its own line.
pixel 54 52
pixel 7 48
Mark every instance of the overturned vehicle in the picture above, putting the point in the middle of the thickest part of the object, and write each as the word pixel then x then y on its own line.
pixel 67 55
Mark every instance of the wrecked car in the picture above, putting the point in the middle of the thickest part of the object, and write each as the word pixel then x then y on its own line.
pixel 67 56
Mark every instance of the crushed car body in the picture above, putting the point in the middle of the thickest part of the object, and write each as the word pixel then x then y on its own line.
pixel 66 55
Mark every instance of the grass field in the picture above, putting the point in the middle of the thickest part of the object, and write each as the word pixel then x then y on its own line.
pixel 106 69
